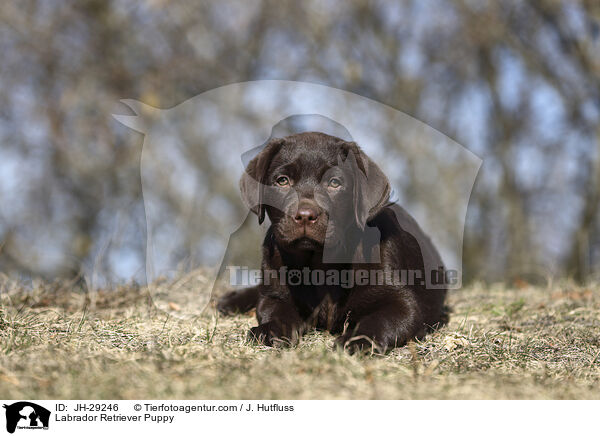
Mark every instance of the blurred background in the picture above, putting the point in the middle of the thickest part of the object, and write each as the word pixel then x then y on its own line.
pixel 516 83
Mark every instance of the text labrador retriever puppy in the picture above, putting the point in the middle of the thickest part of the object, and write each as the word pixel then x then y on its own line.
pixel 337 256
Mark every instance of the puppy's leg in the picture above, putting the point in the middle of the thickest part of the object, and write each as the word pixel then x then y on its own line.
pixel 391 322
pixel 278 323
pixel 238 301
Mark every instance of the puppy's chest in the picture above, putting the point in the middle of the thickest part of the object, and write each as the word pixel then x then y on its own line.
pixel 320 306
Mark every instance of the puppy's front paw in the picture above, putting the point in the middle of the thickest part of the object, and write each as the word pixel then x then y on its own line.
pixel 261 334
pixel 357 343
pixel 272 334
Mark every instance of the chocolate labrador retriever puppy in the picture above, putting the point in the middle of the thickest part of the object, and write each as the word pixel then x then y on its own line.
pixel 330 215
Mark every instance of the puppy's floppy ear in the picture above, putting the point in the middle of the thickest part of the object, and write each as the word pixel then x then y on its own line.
pixel 371 186
pixel 254 179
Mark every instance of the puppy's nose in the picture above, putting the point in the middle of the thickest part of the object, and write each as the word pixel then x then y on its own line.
pixel 306 215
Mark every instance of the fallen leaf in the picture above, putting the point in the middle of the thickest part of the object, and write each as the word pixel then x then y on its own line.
pixel 452 342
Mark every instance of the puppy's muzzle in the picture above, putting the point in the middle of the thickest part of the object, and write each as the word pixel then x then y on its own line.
pixel 307 214
pixel 308 218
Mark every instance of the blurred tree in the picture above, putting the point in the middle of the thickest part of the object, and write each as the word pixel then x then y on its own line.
pixel 516 82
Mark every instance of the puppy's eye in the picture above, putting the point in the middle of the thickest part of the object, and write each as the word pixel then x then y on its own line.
pixel 283 181
pixel 335 183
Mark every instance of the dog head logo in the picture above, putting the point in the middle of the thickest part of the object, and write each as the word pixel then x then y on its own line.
pixel 26 415
pixel 190 168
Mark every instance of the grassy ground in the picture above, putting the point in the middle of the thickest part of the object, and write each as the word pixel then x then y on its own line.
pixel 501 343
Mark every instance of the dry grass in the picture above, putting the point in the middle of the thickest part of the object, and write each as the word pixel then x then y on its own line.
pixel 524 342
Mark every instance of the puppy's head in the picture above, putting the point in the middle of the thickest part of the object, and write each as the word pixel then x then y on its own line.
pixel 314 188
